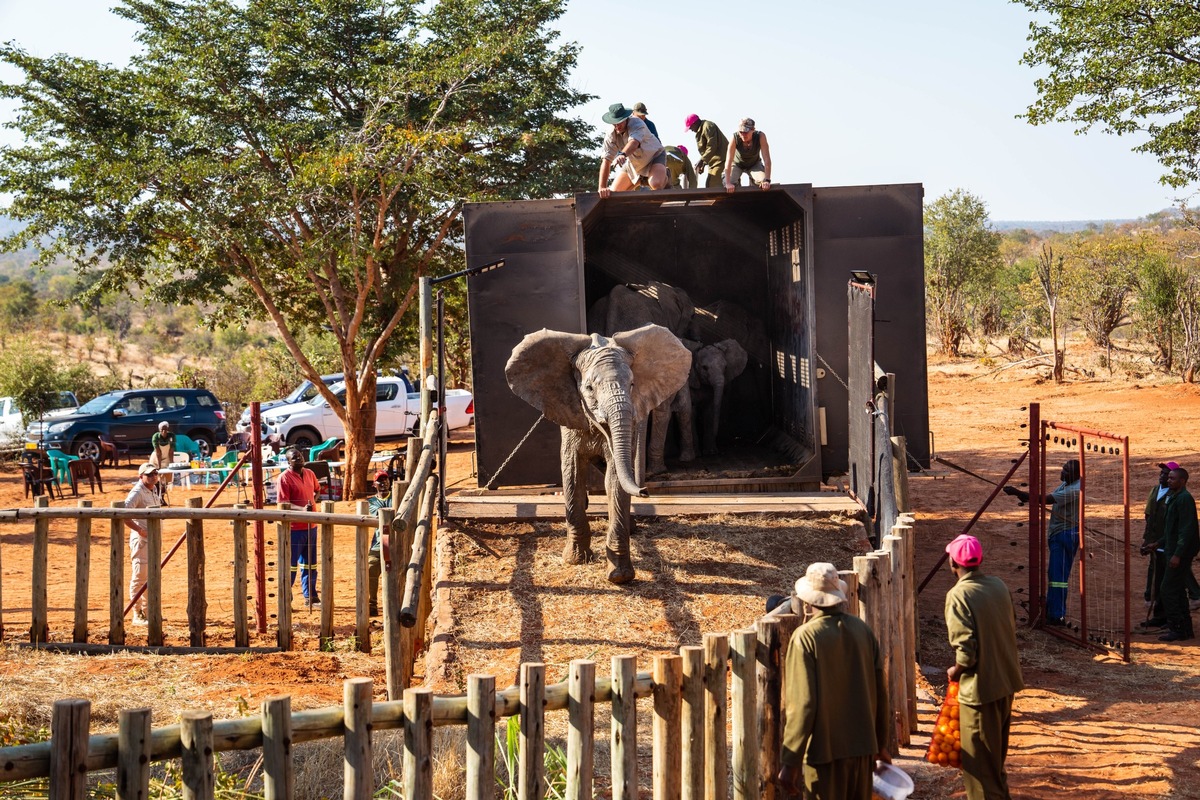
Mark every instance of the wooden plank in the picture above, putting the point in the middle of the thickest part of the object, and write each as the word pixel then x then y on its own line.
pixel 418 744
pixel 531 784
pixel 665 729
pixel 362 609
pixel 278 778
pixel 83 569
pixel 241 585
pixel 623 747
pixel 69 720
pixel 116 578
pixel 197 603
pixel 691 764
pixel 196 738
pixel 283 582
pixel 154 634
pixel 904 530
pixel 481 737
pixel 39 626
pixel 325 534
pixel 743 650
pixel 581 735
pixel 397 639
pixel 358 778
pixel 768 697
pixel 133 754
pixel 716 751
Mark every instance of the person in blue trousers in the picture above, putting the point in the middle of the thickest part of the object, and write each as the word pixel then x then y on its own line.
pixel 1062 538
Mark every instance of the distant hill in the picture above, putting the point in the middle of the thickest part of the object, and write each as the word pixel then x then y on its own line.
pixel 1055 226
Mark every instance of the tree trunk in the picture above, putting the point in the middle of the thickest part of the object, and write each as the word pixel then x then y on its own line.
pixel 1059 355
pixel 360 438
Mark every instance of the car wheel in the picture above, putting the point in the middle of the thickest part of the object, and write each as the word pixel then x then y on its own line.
pixel 303 439
pixel 88 447
pixel 203 440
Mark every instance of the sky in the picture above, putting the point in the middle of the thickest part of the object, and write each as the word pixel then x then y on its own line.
pixel 849 92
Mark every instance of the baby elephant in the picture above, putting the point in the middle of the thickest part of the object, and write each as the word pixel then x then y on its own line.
pixel 713 366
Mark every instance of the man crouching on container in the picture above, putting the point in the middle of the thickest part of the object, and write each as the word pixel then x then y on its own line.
pixel 632 148
pixel 837 706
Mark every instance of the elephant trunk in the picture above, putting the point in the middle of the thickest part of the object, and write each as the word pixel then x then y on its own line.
pixel 622 429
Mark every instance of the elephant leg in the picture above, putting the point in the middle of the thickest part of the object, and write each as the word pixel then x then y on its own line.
pixel 682 405
pixel 578 549
pixel 620 520
pixel 660 421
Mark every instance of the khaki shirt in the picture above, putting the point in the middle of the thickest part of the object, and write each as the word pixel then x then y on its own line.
pixel 983 632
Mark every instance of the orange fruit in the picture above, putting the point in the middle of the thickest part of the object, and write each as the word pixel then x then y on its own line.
pixel 954 712
pixel 943 759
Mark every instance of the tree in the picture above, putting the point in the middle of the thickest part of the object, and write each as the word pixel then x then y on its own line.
pixel 962 255
pixel 1051 276
pixel 1102 275
pixel 1128 66
pixel 302 160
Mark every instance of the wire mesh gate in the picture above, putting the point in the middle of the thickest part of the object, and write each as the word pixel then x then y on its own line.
pixel 1096 605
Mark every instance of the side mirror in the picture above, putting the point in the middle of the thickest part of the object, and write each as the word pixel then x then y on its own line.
pixel 119 412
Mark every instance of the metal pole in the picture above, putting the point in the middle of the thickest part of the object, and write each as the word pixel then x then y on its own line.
pixel 1128 542
pixel 260 542
pixel 444 439
pixel 1083 543
pixel 426 326
pixel 1036 442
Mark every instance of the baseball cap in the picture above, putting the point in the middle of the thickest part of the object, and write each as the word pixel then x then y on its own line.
pixel 640 108
pixel 1169 465
pixel 382 476
pixel 691 120
pixel 746 125
pixel 147 469
pixel 966 551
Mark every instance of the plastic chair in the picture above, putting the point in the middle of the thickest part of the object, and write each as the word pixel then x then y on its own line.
pixel 230 460
pixel 112 452
pixel 39 474
pixel 321 470
pixel 318 453
pixel 186 444
pixel 59 462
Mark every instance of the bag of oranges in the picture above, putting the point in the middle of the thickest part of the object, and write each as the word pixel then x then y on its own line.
pixel 945 747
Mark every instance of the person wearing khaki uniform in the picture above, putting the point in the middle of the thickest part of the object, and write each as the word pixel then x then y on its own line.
pixel 835 696
pixel 982 627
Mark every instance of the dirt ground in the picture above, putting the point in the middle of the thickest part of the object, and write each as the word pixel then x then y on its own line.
pixel 1088 725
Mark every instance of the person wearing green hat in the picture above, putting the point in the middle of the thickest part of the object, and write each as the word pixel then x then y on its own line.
pixel 634 150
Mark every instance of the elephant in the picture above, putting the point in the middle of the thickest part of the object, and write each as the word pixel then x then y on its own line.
pixel 714 365
pixel 724 319
pixel 626 307
pixel 598 390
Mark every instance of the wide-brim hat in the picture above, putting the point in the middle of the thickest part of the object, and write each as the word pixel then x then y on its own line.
pixel 617 112
pixel 821 586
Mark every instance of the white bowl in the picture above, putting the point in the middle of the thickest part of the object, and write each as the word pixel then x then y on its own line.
pixel 891 782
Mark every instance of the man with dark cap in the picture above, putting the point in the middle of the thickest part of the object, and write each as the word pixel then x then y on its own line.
pixel 634 150
pixel 982 627
pixel 749 154
pixel 1180 543
pixel 835 695
pixel 711 144
pixel 1062 538
pixel 639 111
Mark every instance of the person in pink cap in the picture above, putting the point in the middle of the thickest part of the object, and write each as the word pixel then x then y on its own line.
pixel 1156 565
pixel 982 628
pixel 711 144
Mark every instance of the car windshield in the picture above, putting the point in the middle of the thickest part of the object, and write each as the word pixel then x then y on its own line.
pixel 98 405
pixel 339 389
pixel 301 393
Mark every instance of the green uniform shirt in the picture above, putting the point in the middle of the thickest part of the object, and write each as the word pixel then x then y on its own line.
pixel 983 633
pixel 1156 515
pixel 837 704
pixel 1179 527
pixel 712 146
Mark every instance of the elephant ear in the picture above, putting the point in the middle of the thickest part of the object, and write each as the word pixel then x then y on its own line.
pixel 660 365
pixel 735 357
pixel 676 306
pixel 541 371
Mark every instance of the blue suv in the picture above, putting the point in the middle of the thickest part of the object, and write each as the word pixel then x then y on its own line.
pixel 130 417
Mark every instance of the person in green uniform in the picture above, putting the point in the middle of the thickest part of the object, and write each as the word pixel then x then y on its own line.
pixel 837 706
pixel 711 144
pixel 1180 543
pixel 679 168
pixel 982 627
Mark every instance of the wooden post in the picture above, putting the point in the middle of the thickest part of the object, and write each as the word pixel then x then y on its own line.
pixel 767 701
pixel 241 585
pixel 326 546
pixel 900 473
pixel 531 770
pixel 623 752
pixel 410 637
pixel 912 635
pixel 745 727
pixel 426 606
pixel 133 754
pixel 691 764
pixel 39 628
pixel 362 610
pixel 69 720
pixel 581 736
pixel 116 578
pixel 196 742
pixel 397 639
pixel 278 780
pixel 851 579
pixel 481 737
pixel 668 681
pixel 358 776
pixel 716 715
pixel 418 744
pixel 197 606
pixel 154 634
pixel 283 583
pixel 83 568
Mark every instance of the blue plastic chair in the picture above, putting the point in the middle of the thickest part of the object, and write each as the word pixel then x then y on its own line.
pixel 186 444
pixel 314 453
pixel 229 460
pixel 58 462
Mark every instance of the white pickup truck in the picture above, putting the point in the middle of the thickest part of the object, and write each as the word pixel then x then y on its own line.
pixel 397 413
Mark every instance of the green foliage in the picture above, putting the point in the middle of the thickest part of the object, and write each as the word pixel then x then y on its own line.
pixel 1127 66
pixel 509 749
pixel 1159 284
pixel 1101 278
pixel 31 377
pixel 962 256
